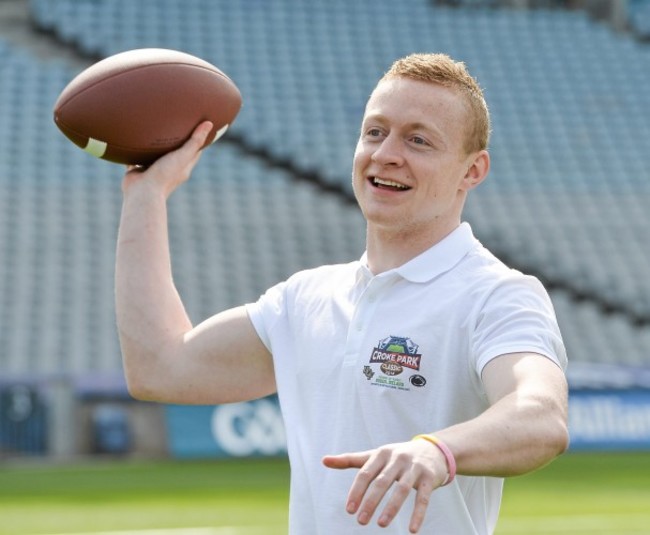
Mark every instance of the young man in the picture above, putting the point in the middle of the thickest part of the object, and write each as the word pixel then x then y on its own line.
pixel 427 335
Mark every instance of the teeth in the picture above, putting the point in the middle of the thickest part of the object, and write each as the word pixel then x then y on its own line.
pixel 383 182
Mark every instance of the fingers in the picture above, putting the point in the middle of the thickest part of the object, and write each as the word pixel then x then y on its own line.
pixel 175 167
pixel 401 490
pixel 377 474
pixel 186 156
pixel 373 483
pixel 391 472
pixel 422 498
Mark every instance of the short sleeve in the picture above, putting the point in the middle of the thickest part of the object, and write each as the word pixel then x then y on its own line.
pixel 517 316
pixel 267 311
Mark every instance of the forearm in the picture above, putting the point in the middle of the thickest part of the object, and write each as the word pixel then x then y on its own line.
pixel 514 436
pixel 151 318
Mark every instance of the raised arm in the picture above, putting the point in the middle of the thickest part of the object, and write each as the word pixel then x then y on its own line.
pixel 165 357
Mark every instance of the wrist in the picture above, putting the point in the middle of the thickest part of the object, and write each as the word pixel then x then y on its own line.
pixel 152 182
pixel 142 194
pixel 444 449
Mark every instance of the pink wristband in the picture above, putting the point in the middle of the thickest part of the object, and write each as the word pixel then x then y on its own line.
pixel 449 456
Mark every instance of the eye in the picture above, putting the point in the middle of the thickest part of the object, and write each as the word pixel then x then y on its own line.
pixel 373 132
pixel 418 140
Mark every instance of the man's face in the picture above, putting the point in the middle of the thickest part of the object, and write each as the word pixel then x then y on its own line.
pixel 410 166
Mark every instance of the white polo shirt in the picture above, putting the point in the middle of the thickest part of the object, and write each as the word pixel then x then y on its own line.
pixel 362 361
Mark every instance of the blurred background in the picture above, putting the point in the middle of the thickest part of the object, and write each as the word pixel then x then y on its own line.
pixel 567 200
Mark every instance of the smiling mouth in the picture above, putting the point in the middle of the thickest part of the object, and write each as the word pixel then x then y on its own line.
pixel 383 183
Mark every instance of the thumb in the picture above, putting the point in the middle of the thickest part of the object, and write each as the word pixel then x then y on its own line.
pixel 190 151
pixel 175 167
pixel 199 137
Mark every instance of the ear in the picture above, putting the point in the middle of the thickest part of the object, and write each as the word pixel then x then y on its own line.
pixel 477 171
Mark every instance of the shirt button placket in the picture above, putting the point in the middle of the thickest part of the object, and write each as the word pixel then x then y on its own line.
pixel 363 313
pixel 355 332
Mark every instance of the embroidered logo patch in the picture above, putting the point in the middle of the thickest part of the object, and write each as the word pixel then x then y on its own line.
pixel 394 355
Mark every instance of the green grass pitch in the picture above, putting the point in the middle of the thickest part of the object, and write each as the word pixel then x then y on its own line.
pixel 578 494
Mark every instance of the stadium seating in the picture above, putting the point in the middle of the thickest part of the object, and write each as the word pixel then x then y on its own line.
pixel 639 18
pixel 566 199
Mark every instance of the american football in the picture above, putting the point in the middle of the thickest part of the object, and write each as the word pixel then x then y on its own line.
pixel 135 106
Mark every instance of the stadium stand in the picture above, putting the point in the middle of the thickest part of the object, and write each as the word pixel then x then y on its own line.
pixel 566 200
pixel 639 18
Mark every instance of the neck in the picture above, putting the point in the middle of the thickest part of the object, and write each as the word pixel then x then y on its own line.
pixel 388 250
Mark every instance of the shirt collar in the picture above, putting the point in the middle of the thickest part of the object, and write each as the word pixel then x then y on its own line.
pixel 436 260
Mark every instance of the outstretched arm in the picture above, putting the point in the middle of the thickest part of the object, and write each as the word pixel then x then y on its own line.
pixel 524 429
pixel 165 357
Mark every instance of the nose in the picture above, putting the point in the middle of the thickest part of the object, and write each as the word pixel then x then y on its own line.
pixel 389 151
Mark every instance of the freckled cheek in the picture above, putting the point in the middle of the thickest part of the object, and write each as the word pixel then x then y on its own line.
pixel 359 153
pixel 359 163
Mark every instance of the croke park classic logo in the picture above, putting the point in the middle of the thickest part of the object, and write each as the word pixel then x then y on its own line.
pixel 395 353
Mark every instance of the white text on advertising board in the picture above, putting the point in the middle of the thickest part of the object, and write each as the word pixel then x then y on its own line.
pixel 253 428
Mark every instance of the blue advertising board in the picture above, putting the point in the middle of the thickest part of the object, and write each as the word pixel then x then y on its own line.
pixel 23 420
pixel 598 420
pixel 253 428
pixel 609 419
